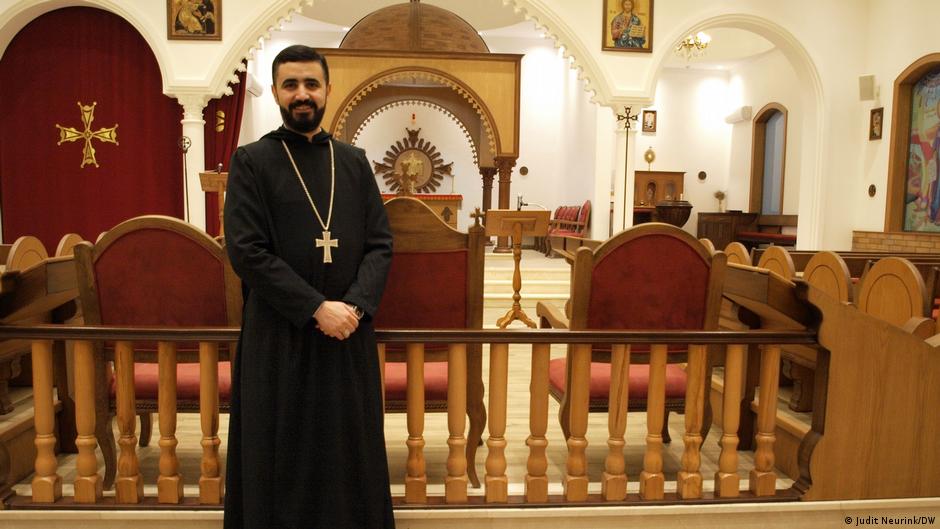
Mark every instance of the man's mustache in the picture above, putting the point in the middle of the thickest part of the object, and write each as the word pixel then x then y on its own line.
pixel 298 104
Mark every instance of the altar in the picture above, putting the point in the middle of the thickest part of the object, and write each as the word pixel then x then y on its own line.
pixel 446 206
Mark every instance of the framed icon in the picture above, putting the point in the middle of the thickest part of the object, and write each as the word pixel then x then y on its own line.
pixel 628 25
pixel 194 19
pixel 875 121
pixel 649 121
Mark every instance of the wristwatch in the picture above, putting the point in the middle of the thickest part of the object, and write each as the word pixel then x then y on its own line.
pixel 359 312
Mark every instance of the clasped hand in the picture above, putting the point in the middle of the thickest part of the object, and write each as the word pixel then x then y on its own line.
pixel 336 319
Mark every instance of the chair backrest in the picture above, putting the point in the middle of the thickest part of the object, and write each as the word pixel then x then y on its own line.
pixel 25 252
pixel 430 263
pixel 778 261
pixel 708 244
pixel 893 290
pixel 156 270
pixel 67 244
pixel 737 253
pixel 828 272
pixel 651 276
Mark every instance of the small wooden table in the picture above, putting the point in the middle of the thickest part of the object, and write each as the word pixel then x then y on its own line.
pixel 216 182
pixel 516 224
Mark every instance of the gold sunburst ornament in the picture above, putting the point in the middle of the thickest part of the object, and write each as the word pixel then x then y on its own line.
pixel 412 165
pixel 69 134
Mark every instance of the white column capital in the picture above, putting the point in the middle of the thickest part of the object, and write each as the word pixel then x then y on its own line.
pixel 193 104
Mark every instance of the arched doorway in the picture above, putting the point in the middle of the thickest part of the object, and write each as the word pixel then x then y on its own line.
pixel 768 160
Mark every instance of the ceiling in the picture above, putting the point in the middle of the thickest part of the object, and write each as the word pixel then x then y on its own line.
pixel 481 14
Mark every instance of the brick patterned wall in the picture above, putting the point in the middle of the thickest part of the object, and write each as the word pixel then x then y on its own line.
pixel 895 242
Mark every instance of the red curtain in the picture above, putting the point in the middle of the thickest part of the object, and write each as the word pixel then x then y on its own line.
pixel 93 57
pixel 223 121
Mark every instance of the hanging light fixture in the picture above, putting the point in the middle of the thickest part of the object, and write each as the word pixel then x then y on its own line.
pixel 693 45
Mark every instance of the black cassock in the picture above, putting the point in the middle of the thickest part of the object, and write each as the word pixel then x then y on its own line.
pixel 306 443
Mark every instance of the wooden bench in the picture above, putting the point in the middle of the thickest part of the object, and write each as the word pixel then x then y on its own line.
pixel 768 229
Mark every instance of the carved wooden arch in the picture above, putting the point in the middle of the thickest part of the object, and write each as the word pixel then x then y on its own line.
pixel 363 90
pixel 758 136
pixel 901 136
pixel 424 102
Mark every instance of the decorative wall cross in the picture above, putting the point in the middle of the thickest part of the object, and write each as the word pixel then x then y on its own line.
pixel 69 134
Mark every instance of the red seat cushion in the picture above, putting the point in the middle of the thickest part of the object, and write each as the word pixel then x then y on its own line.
pixel 147 380
pixel 435 380
pixel 639 379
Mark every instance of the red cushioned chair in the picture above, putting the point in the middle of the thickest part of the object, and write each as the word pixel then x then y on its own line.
pixel 576 226
pixel 652 276
pixel 155 271
pixel 435 282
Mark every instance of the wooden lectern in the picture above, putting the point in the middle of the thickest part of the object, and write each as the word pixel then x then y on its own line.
pixel 516 224
pixel 215 182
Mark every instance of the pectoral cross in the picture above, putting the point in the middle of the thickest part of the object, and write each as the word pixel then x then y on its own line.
pixel 327 244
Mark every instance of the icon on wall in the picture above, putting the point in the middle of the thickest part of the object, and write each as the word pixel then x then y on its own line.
pixel 649 121
pixel 194 19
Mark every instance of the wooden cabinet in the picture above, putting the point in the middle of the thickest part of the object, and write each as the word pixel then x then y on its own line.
pixel 720 228
pixel 652 187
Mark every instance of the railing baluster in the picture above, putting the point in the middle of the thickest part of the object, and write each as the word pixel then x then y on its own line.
pixel 763 479
pixel 536 482
pixel 129 487
pixel 497 484
pixel 169 483
pixel 88 484
pixel 614 480
pixel 210 483
pixel 727 482
pixel 576 480
pixel 47 483
pixel 416 482
pixel 455 485
pixel 652 480
pixel 689 480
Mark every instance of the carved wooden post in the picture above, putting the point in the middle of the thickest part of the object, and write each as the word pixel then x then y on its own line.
pixel 88 483
pixel 211 485
pixel 689 480
pixel 455 485
pixel 536 482
pixel 169 483
pixel 504 165
pixel 497 484
pixel 727 482
pixel 652 480
pixel 576 480
pixel 614 481
pixel 416 480
pixel 487 173
pixel 129 487
pixel 763 479
pixel 47 483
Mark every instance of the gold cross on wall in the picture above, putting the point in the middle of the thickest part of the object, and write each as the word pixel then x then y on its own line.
pixel 69 134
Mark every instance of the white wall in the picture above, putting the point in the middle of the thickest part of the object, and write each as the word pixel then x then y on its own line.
pixel 691 134
pixel 767 78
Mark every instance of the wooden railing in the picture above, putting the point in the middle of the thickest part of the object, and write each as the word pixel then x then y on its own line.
pixel 47 482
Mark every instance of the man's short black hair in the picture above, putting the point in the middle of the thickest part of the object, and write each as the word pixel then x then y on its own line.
pixel 299 53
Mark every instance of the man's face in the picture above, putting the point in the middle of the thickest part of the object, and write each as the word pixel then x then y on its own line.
pixel 300 90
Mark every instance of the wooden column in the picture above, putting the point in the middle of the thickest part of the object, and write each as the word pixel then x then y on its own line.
pixel 211 484
pixel 455 484
pixel 169 483
pixel 689 480
pixel 536 482
pixel 727 482
pixel 576 480
pixel 497 484
pixel 129 487
pixel 47 483
pixel 88 484
pixel 614 480
pixel 504 165
pixel 487 173
pixel 416 480
pixel 652 480
pixel 763 479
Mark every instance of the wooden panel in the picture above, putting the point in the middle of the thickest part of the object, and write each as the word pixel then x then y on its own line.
pixel 652 187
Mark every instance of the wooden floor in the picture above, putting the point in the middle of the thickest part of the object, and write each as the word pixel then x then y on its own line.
pixel 189 450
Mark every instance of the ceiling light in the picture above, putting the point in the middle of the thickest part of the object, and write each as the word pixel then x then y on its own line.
pixel 693 45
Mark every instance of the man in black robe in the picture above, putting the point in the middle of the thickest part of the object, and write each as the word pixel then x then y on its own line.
pixel 306 231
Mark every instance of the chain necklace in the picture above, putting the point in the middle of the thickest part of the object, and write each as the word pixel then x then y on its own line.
pixel 326 242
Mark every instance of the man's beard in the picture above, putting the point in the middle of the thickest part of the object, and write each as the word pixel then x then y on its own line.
pixel 303 124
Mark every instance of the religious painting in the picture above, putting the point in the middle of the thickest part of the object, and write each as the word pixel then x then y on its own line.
pixel 922 188
pixel 628 25
pixel 649 121
pixel 194 19
pixel 874 123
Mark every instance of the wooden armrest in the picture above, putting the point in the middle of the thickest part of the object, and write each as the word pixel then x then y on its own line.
pixel 552 315
pixel 920 327
pixel 564 253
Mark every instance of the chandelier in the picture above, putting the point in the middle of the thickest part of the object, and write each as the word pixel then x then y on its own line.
pixel 693 45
